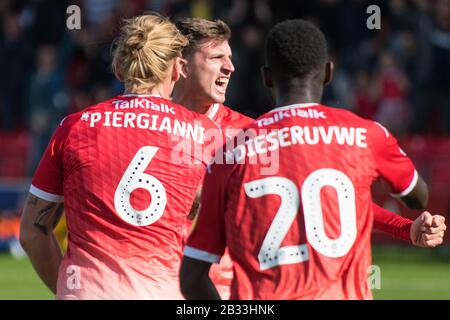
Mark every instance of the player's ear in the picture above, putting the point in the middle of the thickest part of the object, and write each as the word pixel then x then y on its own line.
pixel 183 67
pixel 329 69
pixel 267 76
pixel 177 69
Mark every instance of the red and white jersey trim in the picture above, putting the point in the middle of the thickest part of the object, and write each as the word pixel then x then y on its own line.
pixel 386 132
pixel 211 114
pixel 46 195
pixel 212 111
pixel 201 255
pixel 409 188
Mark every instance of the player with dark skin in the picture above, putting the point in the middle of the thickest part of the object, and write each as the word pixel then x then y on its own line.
pixel 209 59
pixel 287 89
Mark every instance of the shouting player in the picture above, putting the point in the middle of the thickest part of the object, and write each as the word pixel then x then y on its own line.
pixel 202 89
pixel 112 166
pixel 304 232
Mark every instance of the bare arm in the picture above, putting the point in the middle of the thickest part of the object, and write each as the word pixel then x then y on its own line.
pixel 39 218
pixel 195 209
pixel 428 230
pixel 195 282
pixel 418 197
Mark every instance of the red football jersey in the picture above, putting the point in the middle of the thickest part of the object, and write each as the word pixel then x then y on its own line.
pixel 293 203
pixel 229 122
pixel 126 188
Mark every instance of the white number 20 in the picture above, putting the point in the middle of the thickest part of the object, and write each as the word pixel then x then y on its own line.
pixel 134 178
pixel 271 253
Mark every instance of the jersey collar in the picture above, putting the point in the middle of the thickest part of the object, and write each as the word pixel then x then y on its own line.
pixel 295 105
pixel 212 111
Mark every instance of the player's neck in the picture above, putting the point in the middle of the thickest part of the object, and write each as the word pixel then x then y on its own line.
pixel 190 102
pixel 203 109
pixel 293 93
pixel 158 90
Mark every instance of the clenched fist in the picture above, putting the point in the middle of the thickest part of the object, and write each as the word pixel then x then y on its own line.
pixel 427 231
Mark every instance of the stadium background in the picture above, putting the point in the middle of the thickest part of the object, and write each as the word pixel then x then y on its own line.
pixel 399 75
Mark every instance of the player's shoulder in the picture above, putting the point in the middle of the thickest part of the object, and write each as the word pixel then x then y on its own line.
pixel 80 119
pixel 351 118
pixel 81 116
pixel 178 108
pixel 233 114
pixel 342 113
pixel 183 113
pixel 376 133
pixel 232 117
pixel 70 121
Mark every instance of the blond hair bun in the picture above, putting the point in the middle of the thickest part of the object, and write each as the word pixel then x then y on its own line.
pixel 144 50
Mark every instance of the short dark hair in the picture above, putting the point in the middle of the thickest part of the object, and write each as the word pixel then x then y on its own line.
pixel 197 29
pixel 295 48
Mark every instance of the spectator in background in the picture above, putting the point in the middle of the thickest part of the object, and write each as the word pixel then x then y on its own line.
pixel 201 9
pixel 355 43
pixel 392 85
pixel 97 11
pixel 15 64
pixel 365 98
pixel 250 21
pixel 47 100
pixel 415 31
pixel 246 90
pixel 339 93
pixel 433 70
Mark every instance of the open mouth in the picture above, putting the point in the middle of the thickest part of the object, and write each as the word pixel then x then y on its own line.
pixel 222 83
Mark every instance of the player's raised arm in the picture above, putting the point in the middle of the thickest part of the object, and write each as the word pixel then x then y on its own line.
pixel 39 219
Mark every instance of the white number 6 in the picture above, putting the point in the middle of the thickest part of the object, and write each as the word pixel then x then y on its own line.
pixel 134 178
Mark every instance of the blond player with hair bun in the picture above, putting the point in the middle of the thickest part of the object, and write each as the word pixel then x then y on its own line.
pixel 110 168
pixel 146 53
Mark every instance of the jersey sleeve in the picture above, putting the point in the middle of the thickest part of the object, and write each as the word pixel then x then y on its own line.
pixel 391 223
pixel 208 238
pixel 391 161
pixel 47 182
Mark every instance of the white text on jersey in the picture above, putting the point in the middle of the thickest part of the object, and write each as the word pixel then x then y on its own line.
pixel 280 115
pixel 193 131
pixel 143 104
pixel 287 136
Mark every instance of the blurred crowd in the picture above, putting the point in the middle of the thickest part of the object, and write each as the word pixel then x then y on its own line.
pixel 398 75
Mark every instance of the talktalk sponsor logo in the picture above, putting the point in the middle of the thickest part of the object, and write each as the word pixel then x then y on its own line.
pixel 280 115
pixel 142 104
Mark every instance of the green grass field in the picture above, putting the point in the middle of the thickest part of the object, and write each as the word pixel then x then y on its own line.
pixel 405 274
pixel 411 273
pixel 19 281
